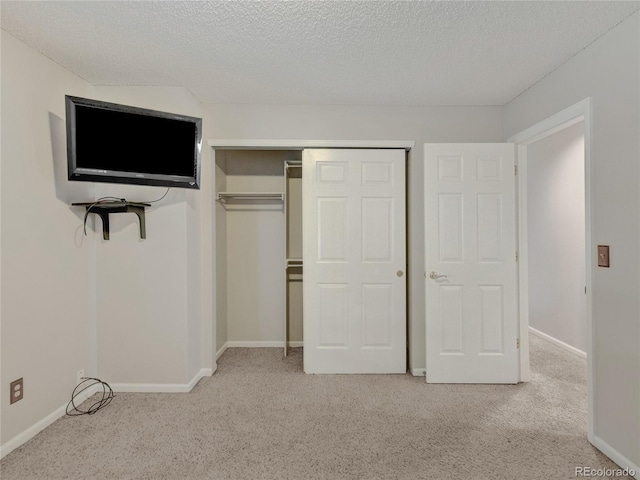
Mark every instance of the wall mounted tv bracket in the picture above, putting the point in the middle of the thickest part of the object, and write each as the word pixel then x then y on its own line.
pixel 103 209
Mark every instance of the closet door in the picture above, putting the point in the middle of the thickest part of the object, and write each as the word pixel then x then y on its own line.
pixel 354 248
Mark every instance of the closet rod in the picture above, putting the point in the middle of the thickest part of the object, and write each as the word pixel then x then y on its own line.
pixel 221 196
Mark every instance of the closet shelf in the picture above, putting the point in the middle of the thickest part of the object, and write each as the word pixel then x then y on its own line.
pixel 225 197
pixel 292 164
pixel 294 262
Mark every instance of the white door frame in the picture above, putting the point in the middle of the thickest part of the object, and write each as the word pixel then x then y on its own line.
pixel 208 289
pixel 580 112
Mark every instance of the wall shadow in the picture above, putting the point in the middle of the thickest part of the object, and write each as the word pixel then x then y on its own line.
pixel 67 192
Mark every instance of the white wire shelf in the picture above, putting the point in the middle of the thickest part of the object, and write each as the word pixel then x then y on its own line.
pixel 294 263
pixel 225 197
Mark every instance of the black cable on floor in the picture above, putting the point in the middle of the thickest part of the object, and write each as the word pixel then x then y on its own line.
pixel 107 395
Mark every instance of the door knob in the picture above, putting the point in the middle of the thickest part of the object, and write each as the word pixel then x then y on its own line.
pixel 435 276
pixel 399 273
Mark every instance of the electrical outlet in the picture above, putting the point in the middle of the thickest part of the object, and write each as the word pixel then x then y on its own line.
pixel 79 376
pixel 16 391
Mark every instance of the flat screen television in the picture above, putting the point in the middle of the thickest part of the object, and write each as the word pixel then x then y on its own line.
pixel 107 142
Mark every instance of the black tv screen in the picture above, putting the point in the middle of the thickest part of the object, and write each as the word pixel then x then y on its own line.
pixel 107 142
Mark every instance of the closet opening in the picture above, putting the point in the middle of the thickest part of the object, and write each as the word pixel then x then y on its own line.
pixel 258 229
pixel 346 256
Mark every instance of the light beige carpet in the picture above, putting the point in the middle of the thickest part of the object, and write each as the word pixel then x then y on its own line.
pixel 260 417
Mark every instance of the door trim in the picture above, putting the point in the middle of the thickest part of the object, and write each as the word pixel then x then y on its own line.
pixel 271 144
pixel 581 111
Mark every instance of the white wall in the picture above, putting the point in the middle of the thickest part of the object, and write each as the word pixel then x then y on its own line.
pixel 608 71
pixel 46 286
pixel 421 124
pixel 556 230
pixel 148 291
pixel 126 310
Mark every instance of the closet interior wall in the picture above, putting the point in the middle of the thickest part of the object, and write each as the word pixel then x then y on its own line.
pixel 252 247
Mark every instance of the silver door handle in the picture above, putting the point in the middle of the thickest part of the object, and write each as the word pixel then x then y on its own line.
pixel 435 276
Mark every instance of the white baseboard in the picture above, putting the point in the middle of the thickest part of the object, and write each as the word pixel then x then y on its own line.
pixel 162 387
pixel 558 343
pixel 36 428
pixel 418 372
pixel 254 344
pixel 260 344
pixel 222 349
pixel 242 344
pixel 616 456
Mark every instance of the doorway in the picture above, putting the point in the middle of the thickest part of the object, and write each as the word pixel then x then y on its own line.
pixel 556 238
pixel 579 113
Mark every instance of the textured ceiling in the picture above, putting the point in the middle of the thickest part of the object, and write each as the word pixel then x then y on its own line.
pixel 312 52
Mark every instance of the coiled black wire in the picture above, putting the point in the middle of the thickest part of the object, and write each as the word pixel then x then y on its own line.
pixel 88 382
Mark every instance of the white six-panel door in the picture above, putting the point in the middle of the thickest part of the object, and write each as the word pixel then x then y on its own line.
pixel 470 259
pixel 354 261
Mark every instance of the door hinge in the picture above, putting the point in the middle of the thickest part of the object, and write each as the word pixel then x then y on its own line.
pixel 517 343
pixel 515 169
pixel 517 257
